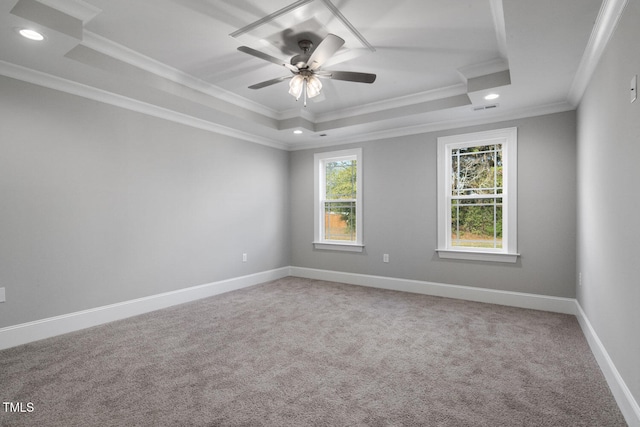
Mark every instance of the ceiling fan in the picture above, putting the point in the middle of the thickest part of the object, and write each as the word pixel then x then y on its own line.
pixel 305 68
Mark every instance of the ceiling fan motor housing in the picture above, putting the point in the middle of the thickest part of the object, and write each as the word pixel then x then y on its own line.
pixel 301 60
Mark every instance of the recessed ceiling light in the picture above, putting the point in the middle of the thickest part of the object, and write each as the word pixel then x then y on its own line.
pixel 31 34
pixel 492 96
pixel 297 131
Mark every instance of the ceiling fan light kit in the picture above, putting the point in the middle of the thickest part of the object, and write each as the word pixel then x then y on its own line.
pixel 308 86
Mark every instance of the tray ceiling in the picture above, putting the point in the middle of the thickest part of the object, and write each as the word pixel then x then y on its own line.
pixel 435 60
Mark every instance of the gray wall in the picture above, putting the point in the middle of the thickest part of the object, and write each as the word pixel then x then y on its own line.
pixel 608 202
pixel 400 212
pixel 100 205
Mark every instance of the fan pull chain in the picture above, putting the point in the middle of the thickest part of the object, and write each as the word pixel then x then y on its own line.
pixel 304 91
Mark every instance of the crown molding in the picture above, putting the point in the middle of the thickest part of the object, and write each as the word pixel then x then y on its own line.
pixel 605 25
pixel 132 57
pixel 394 103
pixel 376 107
pixel 57 83
pixel 483 117
pixel 74 88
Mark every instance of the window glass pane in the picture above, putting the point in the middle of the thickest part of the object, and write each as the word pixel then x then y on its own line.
pixel 476 170
pixel 340 180
pixel 476 223
pixel 340 221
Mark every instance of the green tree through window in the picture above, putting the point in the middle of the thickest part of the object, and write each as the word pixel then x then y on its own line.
pixel 476 196
pixel 341 193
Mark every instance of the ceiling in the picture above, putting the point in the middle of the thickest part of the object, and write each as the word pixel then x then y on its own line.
pixel 435 60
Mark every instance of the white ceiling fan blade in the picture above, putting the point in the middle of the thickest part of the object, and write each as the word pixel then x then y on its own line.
pixel 267 57
pixel 324 51
pixel 269 82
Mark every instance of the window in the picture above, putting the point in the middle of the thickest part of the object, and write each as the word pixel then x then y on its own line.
pixel 338 200
pixel 477 200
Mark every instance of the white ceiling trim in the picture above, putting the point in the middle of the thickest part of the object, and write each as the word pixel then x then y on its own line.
pixel 132 57
pixel 269 18
pixel 393 103
pixel 77 8
pixel 376 107
pixel 605 25
pixel 53 82
pixel 74 88
pixel 501 30
pixel 297 113
pixel 486 117
pixel 315 10
pixel 483 69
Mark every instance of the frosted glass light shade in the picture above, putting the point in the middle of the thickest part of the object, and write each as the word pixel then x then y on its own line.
pixel 313 86
pixel 296 86
pixel 299 84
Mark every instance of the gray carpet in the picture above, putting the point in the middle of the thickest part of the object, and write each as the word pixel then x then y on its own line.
pixel 298 352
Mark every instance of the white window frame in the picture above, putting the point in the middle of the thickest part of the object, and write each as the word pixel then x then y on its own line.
pixel 320 159
pixel 508 137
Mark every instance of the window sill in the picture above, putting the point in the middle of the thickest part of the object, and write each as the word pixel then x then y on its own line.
pixel 477 255
pixel 345 247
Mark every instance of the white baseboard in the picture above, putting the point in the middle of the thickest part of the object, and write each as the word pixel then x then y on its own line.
pixel 24 333
pixel 491 296
pixel 628 405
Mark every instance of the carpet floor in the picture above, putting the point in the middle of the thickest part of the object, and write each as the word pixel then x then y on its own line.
pixel 300 352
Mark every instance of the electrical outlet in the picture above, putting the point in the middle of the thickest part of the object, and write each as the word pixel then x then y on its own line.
pixel 244 257
pixel 385 258
pixel 580 280
pixel 2 295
